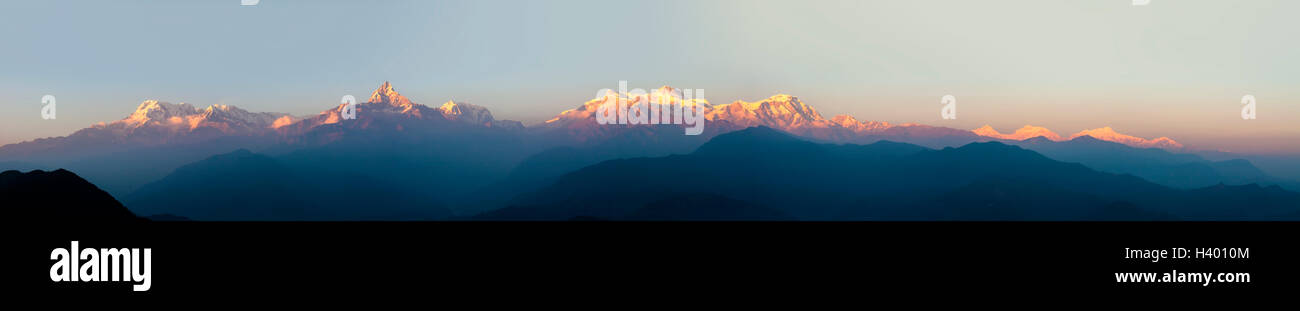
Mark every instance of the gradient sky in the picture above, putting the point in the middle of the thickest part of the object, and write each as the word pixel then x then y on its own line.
pixel 1174 68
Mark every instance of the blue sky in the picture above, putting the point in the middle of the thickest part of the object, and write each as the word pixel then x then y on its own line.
pixel 1172 68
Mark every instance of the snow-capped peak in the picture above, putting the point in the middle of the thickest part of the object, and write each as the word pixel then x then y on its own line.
pixel 779 111
pixel 151 110
pixel 1026 132
pixel 385 94
pixel 231 117
pixel 1104 133
pixel 844 120
pixel 1109 134
pixel 466 113
pixel 662 95
pixel 396 110
pixel 851 123
pixel 158 122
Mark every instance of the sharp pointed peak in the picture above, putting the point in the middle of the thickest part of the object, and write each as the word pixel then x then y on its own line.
pixel 386 94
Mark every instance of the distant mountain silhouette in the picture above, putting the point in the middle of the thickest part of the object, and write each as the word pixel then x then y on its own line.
pixel 882 181
pixel 57 196
pixel 245 186
pixel 1184 171
pixel 1282 166
pixel 122 167
pixel 545 167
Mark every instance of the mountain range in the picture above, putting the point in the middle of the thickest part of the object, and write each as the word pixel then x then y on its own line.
pixel 1105 133
pixel 399 159
pixel 883 181
pixel 1177 170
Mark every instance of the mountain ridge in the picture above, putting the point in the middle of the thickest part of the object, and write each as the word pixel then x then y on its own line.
pixel 1103 133
pixel 158 122
pixel 833 184
pixel 58 196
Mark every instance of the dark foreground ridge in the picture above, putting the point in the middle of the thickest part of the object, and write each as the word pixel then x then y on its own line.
pixel 58 195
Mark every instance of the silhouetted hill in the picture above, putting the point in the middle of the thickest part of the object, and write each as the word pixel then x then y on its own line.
pixel 881 181
pixel 60 195
pixel 1279 165
pixel 246 186
pixel 619 142
pixel 757 139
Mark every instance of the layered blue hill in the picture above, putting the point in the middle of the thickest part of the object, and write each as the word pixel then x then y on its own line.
pixel 885 181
